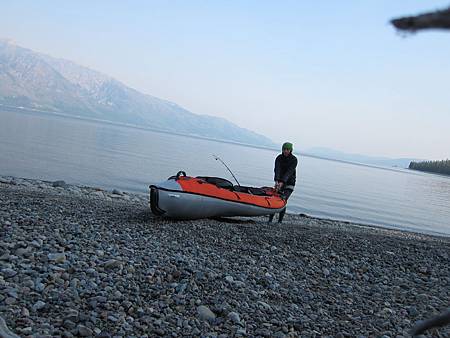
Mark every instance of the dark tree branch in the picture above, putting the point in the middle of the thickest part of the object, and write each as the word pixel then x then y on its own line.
pixel 438 321
pixel 432 20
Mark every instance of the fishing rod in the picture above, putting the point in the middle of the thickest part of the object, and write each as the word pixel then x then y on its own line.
pixel 217 158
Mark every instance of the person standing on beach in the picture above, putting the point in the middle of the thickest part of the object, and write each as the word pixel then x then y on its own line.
pixel 285 175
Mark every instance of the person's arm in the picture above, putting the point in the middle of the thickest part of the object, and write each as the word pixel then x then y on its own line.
pixel 277 169
pixel 289 171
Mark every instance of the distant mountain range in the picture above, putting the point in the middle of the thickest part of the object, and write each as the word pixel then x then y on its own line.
pixel 358 158
pixel 36 81
pixel 31 80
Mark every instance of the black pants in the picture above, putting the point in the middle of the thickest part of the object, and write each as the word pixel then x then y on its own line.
pixel 284 194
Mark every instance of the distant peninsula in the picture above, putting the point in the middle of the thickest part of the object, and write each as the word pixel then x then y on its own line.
pixel 436 167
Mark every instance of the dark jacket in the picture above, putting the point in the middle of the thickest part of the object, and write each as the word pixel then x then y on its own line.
pixel 285 169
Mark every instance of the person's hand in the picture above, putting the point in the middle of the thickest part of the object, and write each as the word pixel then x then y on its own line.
pixel 278 185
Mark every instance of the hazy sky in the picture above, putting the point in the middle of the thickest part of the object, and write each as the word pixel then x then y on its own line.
pixel 330 73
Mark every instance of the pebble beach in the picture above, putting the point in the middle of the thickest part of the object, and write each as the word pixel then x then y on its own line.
pixel 83 261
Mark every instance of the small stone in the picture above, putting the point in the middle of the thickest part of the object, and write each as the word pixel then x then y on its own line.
pixel 326 272
pixel 5 257
pixel 59 184
pixel 229 279
pixel 39 305
pixel 241 331
pixel 160 332
pixel 234 317
pixel 27 330
pixel 116 192
pixel 387 311
pixel 12 293
pixel 111 264
pixel 204 313
pixel 39 287
pixel 101 299
pixel 25 312
pixel 23 251
pixel 29 284
pixel 84 331
pixel 238 284
pixel 423 270
pixel 59 257
pixel 112 318
pixel 36 244
pixel 72 314
pixel 69 325
pixel 422 297
pixel 412 311
pixel 8 272
pixel 263 332
pixel 264 305
pixel 98 194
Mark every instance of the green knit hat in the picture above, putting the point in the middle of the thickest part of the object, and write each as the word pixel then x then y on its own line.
pixel 288 146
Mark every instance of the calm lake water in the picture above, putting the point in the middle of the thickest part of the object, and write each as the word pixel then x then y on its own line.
pixel 93 153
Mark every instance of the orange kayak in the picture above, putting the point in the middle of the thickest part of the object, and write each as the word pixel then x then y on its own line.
pixel 187 197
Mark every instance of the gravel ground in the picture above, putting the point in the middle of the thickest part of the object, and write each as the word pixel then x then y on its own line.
pixel 79 261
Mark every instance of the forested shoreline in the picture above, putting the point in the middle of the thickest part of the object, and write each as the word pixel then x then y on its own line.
pixel 439 167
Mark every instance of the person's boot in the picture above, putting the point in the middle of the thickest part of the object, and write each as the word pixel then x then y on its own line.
pixel 281 215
